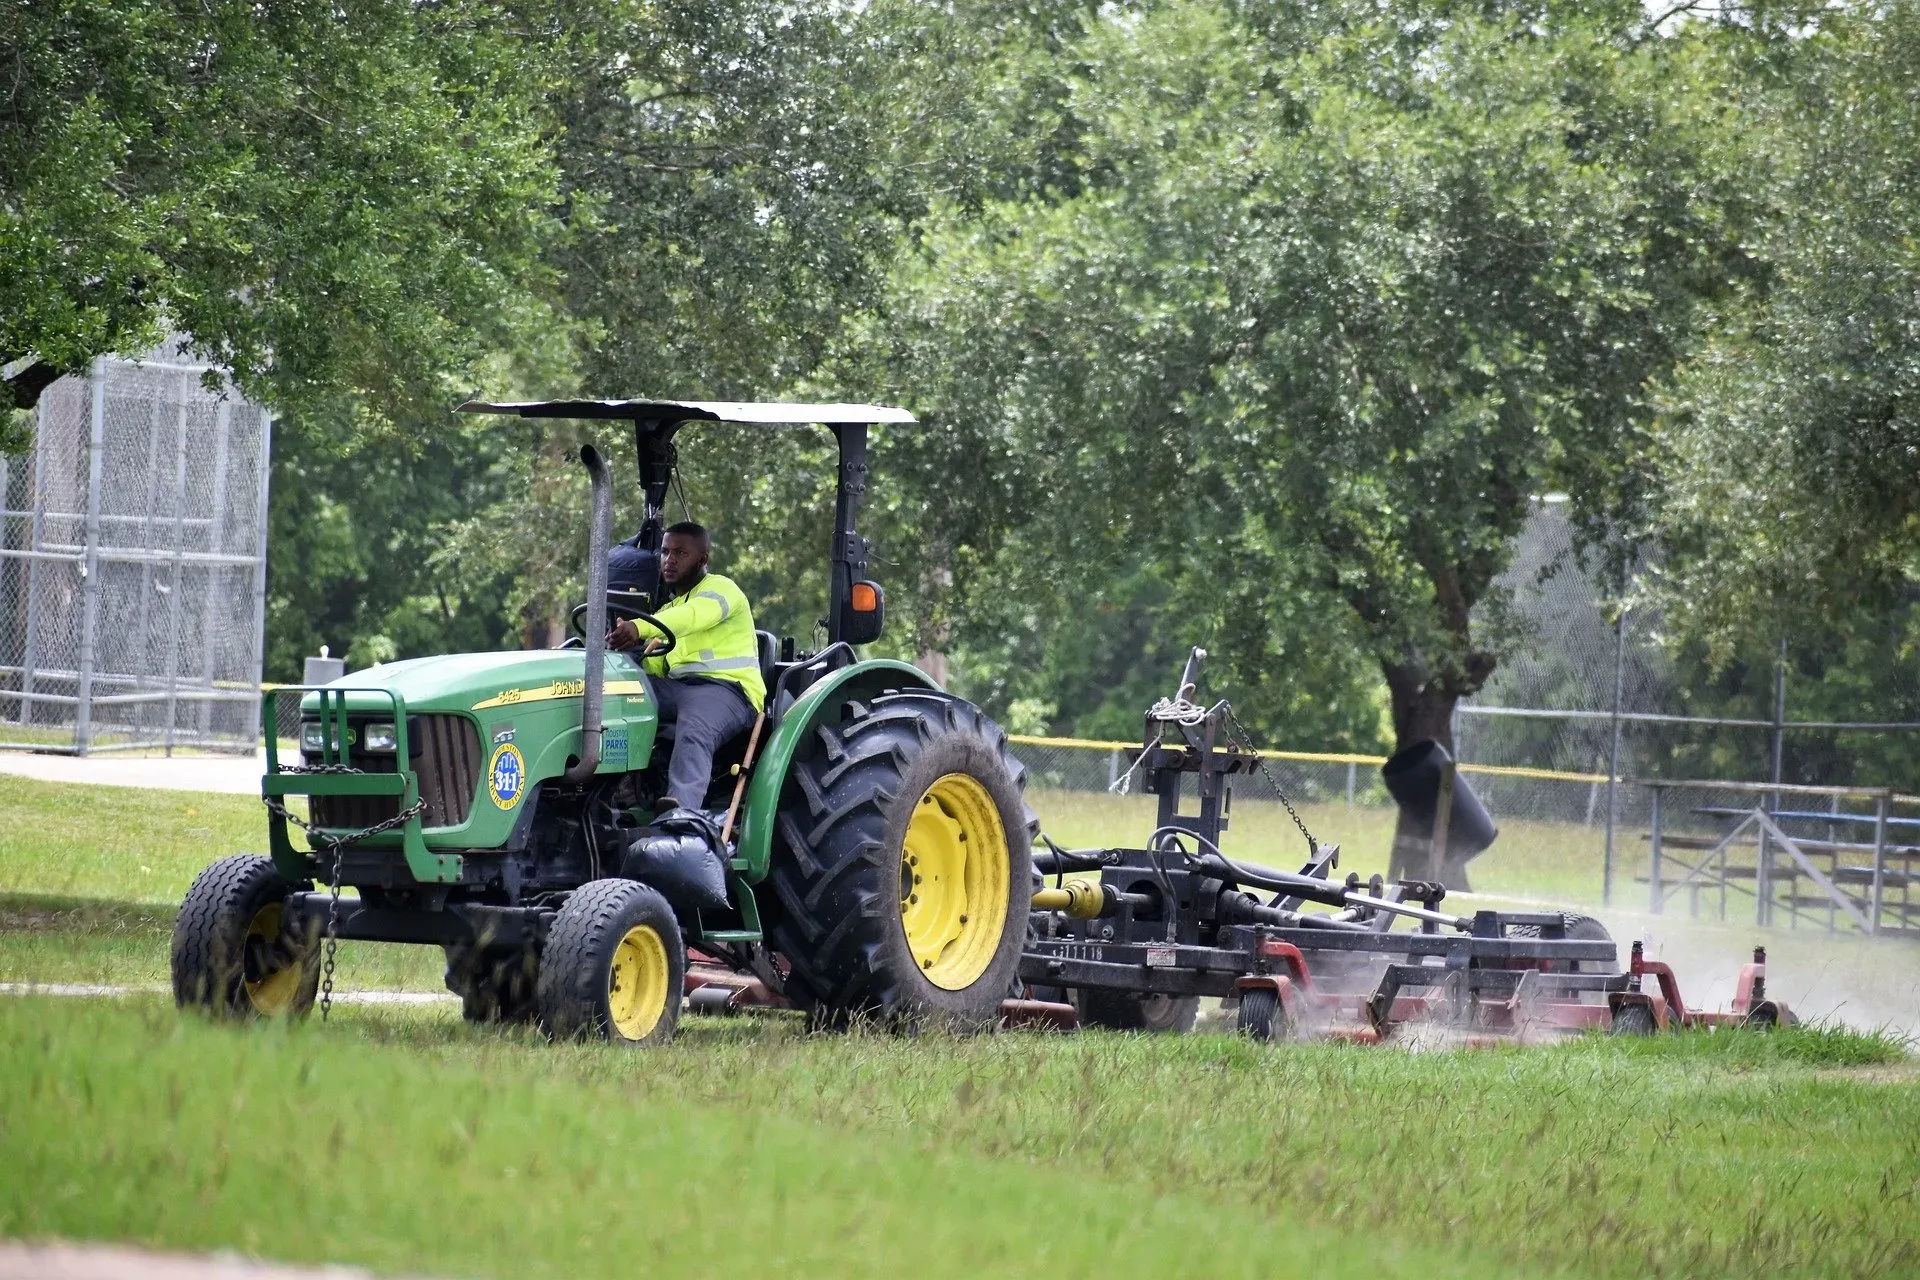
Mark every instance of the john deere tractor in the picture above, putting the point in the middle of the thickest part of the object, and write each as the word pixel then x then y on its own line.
pixel 868 857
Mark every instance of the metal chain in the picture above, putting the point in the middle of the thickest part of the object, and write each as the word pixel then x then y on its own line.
pixel 333 935
pixel 335 847
pixel 1245 739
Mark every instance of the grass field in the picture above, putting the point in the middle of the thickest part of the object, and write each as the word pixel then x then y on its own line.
pixel 405 1141
pixel 402 1140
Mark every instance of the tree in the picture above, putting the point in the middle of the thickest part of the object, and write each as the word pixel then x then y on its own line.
pixel 1791 445
pixel 1340 289
pixel 341 202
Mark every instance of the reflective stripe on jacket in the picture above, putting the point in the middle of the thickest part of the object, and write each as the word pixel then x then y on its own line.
pixel 713 636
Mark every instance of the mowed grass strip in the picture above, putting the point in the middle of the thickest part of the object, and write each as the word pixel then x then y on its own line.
pixel 405 1140
pixel 496 1158
pixel 126 844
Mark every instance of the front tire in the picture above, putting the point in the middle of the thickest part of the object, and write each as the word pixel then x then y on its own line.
pixel 1261 1015
pixel 495 984
pixel 903 865
pixel 230 955
pixel 1633 1020
pixel 614 968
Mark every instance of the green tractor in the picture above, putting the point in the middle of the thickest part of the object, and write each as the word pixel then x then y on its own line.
pixel 874 862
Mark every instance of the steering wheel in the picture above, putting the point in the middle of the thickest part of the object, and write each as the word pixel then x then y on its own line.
pixel 619 609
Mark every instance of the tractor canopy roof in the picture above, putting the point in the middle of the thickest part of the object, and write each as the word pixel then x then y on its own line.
pixel 676 411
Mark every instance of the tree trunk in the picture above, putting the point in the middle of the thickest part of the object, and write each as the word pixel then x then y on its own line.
pixel 933 631
pixel 1422 712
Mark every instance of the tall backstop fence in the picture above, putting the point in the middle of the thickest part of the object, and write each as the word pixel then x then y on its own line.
pixel 133 564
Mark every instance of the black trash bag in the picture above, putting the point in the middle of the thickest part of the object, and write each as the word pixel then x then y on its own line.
pixel 681 858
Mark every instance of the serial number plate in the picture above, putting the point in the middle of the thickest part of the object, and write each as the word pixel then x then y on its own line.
pixel 1160 957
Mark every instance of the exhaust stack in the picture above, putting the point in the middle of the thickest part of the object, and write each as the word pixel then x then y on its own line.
pixel 595 623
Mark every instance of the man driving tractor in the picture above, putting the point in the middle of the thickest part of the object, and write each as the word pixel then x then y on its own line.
pixel 712 688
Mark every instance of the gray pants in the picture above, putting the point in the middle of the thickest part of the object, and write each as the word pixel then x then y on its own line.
pixel 705 714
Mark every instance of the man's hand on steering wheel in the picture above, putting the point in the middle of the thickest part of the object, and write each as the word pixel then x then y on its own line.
pixel 625 635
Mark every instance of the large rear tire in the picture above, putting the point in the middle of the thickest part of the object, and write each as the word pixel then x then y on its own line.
pixel 230 955
pixel 614 967
pixel 902 867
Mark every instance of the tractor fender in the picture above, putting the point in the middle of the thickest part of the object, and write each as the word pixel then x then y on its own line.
pixel 863 679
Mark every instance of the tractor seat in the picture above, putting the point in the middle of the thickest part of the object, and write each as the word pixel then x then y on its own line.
pixel 769 656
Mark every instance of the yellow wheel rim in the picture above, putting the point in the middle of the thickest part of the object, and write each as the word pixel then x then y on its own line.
pixel 954 882
pixel 637 985
pixel 274 992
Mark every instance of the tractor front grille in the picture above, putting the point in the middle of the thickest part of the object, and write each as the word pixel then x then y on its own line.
pixel 449 767
pixel 448 763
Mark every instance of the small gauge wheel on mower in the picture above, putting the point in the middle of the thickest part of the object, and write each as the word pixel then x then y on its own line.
pixel 614 967
pixel 230 954
pixel 1579 928
pixel 902 868
pixel 1634 1020
pixel 1261 1017
pixel 1134 1011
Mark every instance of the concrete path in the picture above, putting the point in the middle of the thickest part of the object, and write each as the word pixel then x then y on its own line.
pixel 235 775
pixel 61 1260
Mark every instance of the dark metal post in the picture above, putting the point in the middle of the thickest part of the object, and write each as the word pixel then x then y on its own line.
pixel 1613 753
pixel 849 552
pixel 1654 901
pixel 1779 717
pixel 1880 806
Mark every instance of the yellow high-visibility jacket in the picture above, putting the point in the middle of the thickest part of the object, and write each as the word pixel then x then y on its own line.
pixel 713 636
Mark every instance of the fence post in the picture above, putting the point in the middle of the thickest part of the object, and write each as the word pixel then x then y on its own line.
pixel 36 532
pixel 90 564
pixel 1880 806
pixel 176 588
pixel 257 654
pixel 1779 717
pixel 1613 755
pixel 1350 768
pixel 1655 899
pixel 216 543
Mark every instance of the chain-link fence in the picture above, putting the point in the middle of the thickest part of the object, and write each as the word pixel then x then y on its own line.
pixel 1566 746
pixel 132 564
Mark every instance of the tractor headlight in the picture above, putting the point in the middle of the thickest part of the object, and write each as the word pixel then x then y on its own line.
pixel 380 737
pixel 313 736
